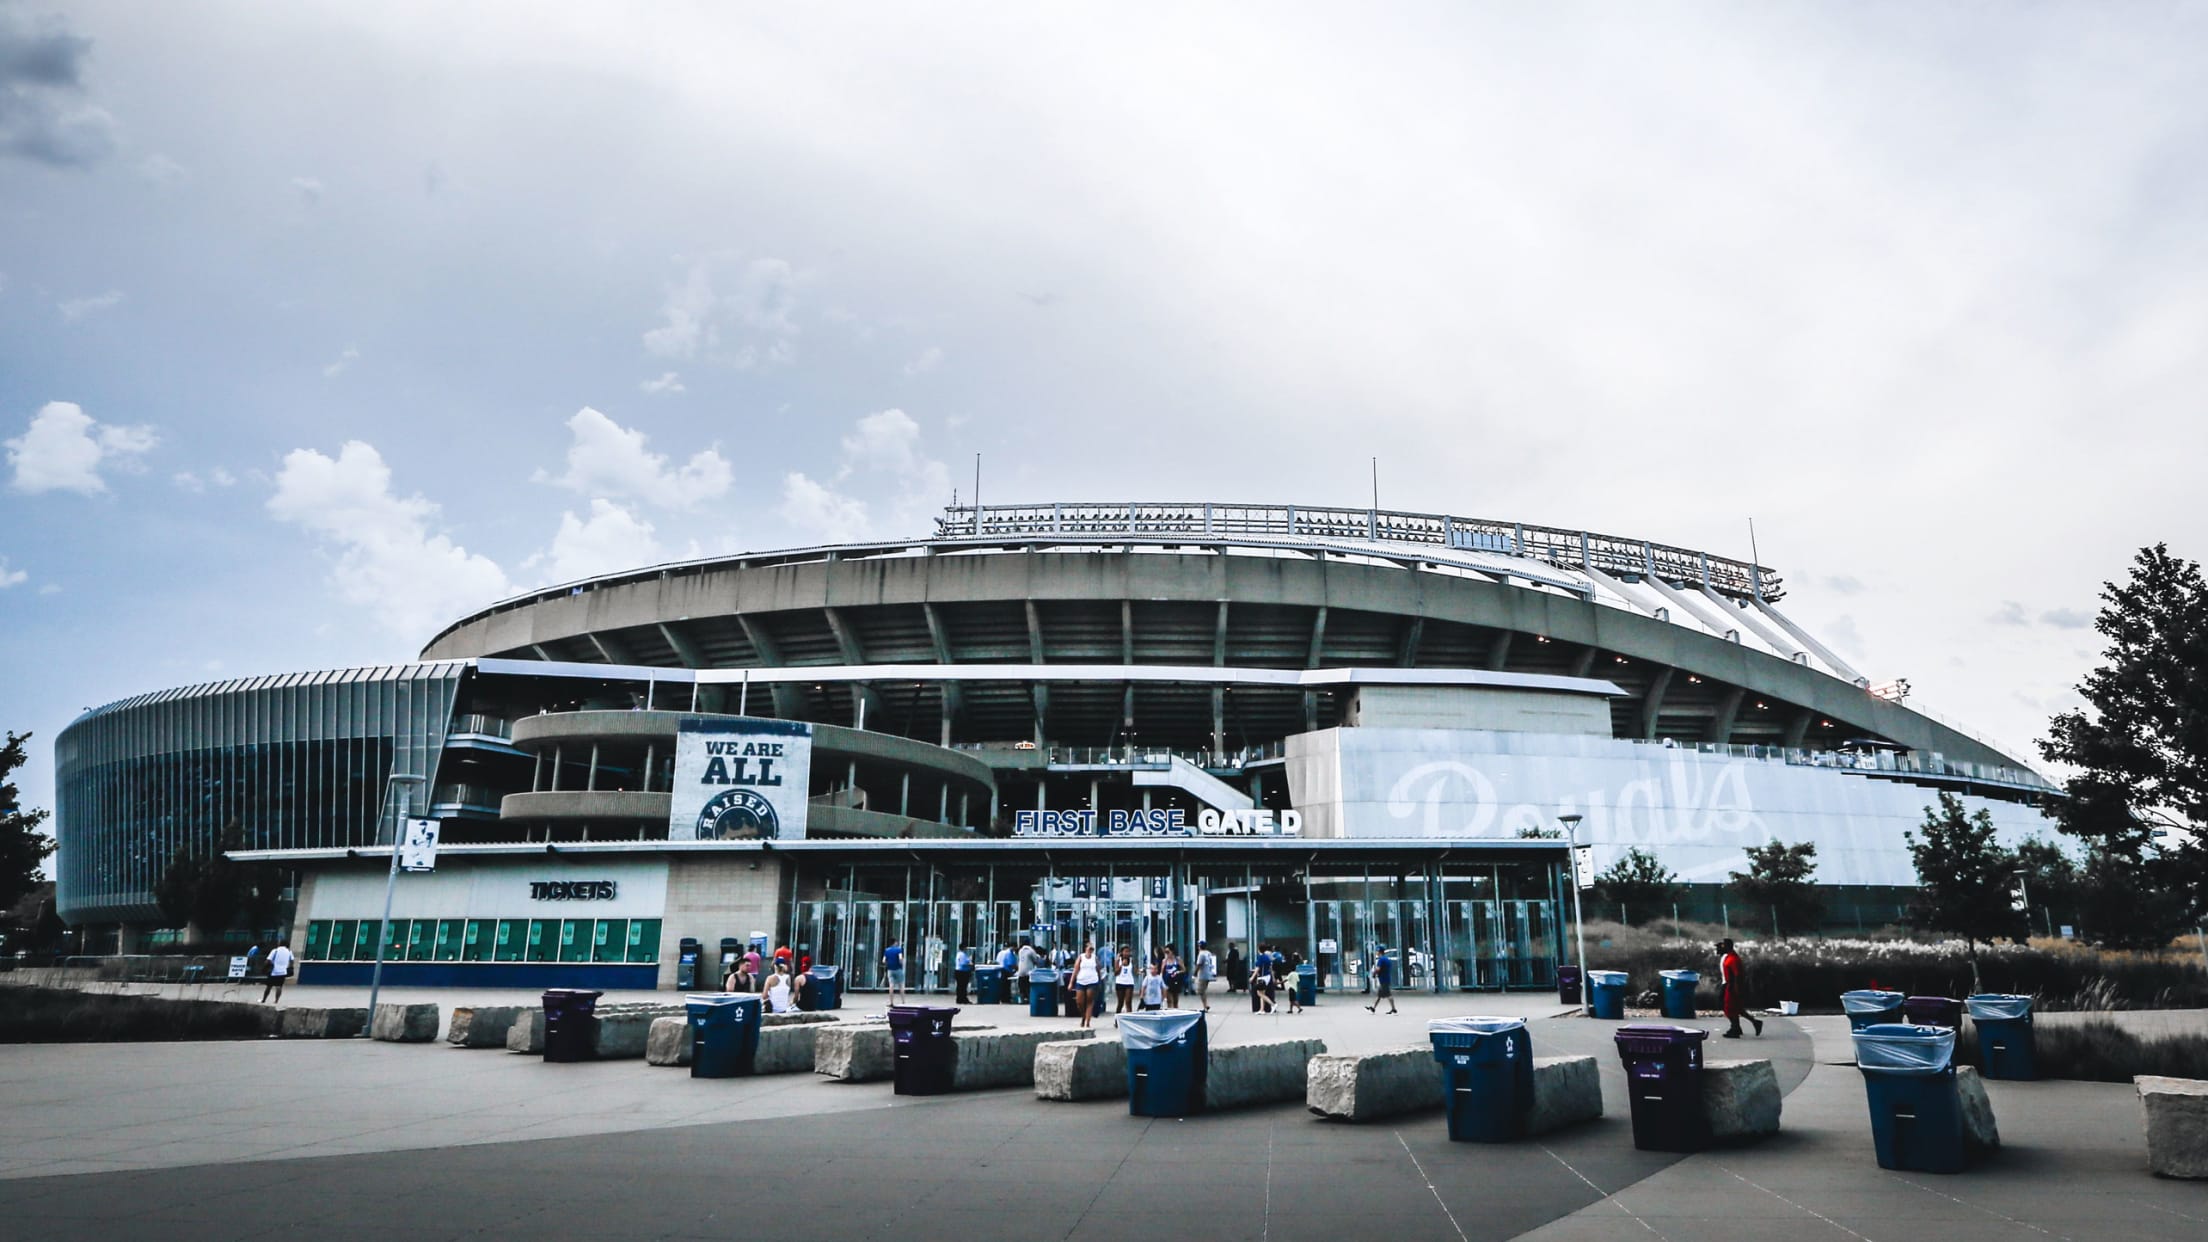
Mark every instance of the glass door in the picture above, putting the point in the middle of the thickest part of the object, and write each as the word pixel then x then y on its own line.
pixel 1327 943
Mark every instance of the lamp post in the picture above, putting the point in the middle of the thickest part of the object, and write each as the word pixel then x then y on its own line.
pixel 390 884
pixel 1579 922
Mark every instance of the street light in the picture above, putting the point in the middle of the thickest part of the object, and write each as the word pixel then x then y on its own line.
pixel 390 884
pixel 1579 922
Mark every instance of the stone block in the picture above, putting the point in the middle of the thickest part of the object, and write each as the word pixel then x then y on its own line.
pixel 1240 1075
pixel 405 1024
pixel 1372 1085
pixel 1740 1100
pixel 797 1018
pixel 668 1043
pixel 1566 1091
pixel 1002 1058
pixel 527 1033
pixel 1086 1069
pixel 2177 1125
pixel 853 1052
pixel 623 1034
pixel 322 1023
pixel 787 1049
pixel 1979 1131
pixel 483 1026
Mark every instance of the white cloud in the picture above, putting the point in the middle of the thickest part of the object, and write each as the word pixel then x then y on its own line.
pixel 2067 618
pixel 343 360
pixel 929 359
pixel 64 450
pixel 882 455
pixel 162 171
pixel 606 459
pixel 76 309
pixel 11 577
pixel 191 481
pixel 822 511
pixel 753 316
pixel 612 539
pixel 49 588
pixel 390 560
pixel 668 383
pixel 309 189
pixel 2009 613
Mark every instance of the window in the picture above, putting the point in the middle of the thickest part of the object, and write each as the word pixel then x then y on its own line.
pixel 643 940
pixel 575 940
pixel 448 939
pixel 343 941
pixel 544 937
pixel 318 940
pixel 511 933
pixel 475 942
pixel 418 939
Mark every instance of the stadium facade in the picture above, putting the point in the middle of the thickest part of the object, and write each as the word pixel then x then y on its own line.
pixel 1321 727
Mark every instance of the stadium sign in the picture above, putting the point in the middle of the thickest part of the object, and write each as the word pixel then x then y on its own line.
pixel 740 779
pixel 1155 823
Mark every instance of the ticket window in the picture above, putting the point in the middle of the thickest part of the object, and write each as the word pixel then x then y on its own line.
pixel 610 943
pixel 643 940
pixel 394 939
pixel 449 932
pixel 506 942
pixel 475 941
pixel 544 939
pixel 344 934
pixel 575 940
pixel 364 940
pixel 419 939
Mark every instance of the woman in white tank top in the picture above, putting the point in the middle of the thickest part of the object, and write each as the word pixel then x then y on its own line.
pixel 778 994
pixel 1085 977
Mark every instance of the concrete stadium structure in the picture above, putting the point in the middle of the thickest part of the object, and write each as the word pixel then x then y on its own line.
pixel 1315 726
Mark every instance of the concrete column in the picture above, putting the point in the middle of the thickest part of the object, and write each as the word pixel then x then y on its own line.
pixel 904 794
pixel 943 804
pixel 1096 790
pixel 590 777
pixel 555 770
pixel 651 763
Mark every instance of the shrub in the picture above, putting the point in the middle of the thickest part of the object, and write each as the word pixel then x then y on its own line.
pixel 34 1015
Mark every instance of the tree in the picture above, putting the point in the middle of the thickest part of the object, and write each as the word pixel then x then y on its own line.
pixel 22 846
pixel 1636 879
pixel 1782 879
pixel 2138 795
pixel 209 891
pixel 1966 880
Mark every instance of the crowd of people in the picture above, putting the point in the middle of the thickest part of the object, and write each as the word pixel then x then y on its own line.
pixel 783 980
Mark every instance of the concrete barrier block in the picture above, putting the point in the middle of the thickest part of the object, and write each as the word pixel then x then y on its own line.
pixel 1979 1130
pixel 853 1052
pixel 1566 1091
pixel 623 1034
pixel 1372 1085
pixel 405 1024
pixel 668 1042
pixel 787 1049
pixel 1002 1058
pixel 527 1033
pixel 483 1026
pixel 1240 1075
pixel 1740 1099
pixel 1082 1069
pixel 322 1023
pixel 2177 1125
pixel 798 1017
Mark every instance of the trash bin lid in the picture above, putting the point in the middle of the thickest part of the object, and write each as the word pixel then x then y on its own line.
pixel 1869 1000
pixel 1683 976
pixel 825 972
pixel 722 998
pixel 1998 1006
pixel 1660 1031
pixel 1474 1026
pixel 1607 978
pixel 1149 1030
pixel 1042 974
pixel 1899 1048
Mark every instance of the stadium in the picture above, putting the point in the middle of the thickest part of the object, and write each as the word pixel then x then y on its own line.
pixel 1324 728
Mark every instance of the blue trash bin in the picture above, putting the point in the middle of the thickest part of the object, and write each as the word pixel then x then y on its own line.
pixel 1307 984
pixel 1663 1079
pixel 1916 1111
pixel 1678 994
pixel 1167 1051
pixel 925 1055
pixel 1042 993
pixel 1870 1007
pixel 988 985
pixel 724 1034
pixel 1486 1076
pixel 1606 991
pixel 2006 1048
pixel 827 987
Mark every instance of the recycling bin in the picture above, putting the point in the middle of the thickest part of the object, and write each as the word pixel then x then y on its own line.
pixel 1167 1051
pixel 2006 1048
pixel 724 1033
pixel 988 985
pixel 1678 995
pixel 1486 1076
pixel 1916 1110
pixel 827 987
pixel 1567 985
pixel 1307 984
pixel 1663 1079
pixel 1042 993
pixel 1932 1011
pixel 1870 1007
pixel 925 1056
pixel 1606 994
pixel 570 1023
pixel 686 964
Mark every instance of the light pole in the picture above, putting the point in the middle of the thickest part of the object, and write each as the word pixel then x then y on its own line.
pixel 1579 922
pixel 390 884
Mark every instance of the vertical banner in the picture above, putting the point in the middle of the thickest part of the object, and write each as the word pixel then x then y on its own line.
pixel 418 845
pixel 740 779
pixel 1583 865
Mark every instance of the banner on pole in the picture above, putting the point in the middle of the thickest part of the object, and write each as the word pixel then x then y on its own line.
pixel 1583 864
pixel 418 845
pixel 740 779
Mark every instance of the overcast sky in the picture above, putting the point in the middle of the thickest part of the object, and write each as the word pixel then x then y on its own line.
pixel 321 324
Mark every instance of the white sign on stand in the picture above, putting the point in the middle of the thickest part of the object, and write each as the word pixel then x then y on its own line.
pixel 237 967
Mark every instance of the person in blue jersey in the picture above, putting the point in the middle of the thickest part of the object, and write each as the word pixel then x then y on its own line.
pixel 962 969
pixel 893 969
pixel 1383 975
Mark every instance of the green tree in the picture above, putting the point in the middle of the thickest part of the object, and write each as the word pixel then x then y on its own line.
pixel 1966 880
pixel 2051 883
pixel 22 846
pixel 1782 878
pixel 2138 751
pixel 207 890
pixel 1636 881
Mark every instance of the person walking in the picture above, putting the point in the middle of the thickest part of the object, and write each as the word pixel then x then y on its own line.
pixel 962 969
pixel 1383 974
pixel 279 970
pixel 1238 971
pixel 1207 969
pixel 1025 965
pixel 893 968
pixel 1292 982
pixel 1087 976
pixel 1261 980
pixel 1732 976
pixel 1175 977
pixel 1123 980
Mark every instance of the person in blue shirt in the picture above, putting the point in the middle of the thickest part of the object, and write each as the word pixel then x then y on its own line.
pixel 1383 974
pixel 1008 963
pixel 893 969
pixel 962 969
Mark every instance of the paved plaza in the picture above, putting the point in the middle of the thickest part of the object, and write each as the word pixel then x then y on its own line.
pixel 343 1139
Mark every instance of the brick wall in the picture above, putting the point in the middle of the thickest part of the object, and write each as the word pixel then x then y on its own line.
pixel 710 897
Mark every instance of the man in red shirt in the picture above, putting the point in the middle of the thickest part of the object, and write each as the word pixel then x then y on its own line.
pixel 1733 977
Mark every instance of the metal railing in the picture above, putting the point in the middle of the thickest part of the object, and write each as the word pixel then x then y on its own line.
pixel 1900 764
pixel 482 797
pixel 481 725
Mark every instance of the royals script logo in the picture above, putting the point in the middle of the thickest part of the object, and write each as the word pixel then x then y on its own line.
pixel 1688 803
